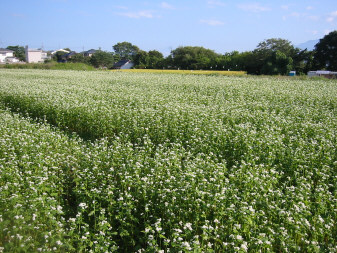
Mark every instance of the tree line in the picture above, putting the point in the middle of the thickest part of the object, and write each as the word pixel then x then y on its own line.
pixel 273 56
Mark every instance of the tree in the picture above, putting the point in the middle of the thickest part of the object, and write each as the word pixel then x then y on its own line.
pixel 193 58
pixel 156 59
pixel 326 52
pixel 266 50
pixel 58 56
pixel 303 61
pixel 277 64
pixel 19 52
pixel 276 44
pixel 141 59
pixel 102 59
pixel 79 58
pixel 125 50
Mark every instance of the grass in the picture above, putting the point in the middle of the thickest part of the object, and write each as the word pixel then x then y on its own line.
pixel 49 65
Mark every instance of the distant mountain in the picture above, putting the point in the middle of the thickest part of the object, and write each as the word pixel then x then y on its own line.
pixel 309 45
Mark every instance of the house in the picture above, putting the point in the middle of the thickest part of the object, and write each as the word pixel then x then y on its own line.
pixel 36 55
pixel 323 73
pixel 123 64
pixel 68 56
pixel 7 56
pixel 60 50
pixel 89 52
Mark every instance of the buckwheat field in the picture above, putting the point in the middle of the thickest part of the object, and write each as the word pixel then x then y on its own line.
pixel 146 162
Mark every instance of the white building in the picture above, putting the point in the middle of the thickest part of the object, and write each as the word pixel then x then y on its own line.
pixel 12 60
pixel 323 73
pixel 36 55
pixel 5 54
pixel 123 64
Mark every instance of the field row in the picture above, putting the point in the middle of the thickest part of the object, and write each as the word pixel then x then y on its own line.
pixel 57 192
pixel 184 72
pixel 161 162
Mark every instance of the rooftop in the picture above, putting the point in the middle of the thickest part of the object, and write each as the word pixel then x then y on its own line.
pixel 6 50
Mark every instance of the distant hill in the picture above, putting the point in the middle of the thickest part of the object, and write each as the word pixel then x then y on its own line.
pixel 309 45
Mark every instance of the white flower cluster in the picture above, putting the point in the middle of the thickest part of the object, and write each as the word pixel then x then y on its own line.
pixel 110 162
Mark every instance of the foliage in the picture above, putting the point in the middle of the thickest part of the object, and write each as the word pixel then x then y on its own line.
pixel 193 57
pixel 141 59
pixel 50 65
pixel 166 163
pixel 102 59
pixel 151 60
pixel 277 64
pixel 326 52
pixel 266 51
pixel 58 56
pixel 19 52
pixel 125 50
pixel 79 58
pixel 303 61
pixel 274 56
pixel 269 46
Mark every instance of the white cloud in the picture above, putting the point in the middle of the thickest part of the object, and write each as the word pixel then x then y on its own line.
pixel 285 7
pixel 309 8
pixel 253 7
pixel 332 17
pixel 211 22
pixel 18 15
pixel 301 15
pixel 296 14
pixel 215 3
pixel 313 18
pixel 138 14
pixel 121 7
pixel 167 6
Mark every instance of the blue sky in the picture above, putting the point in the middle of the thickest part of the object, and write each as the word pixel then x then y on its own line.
pixel 220 25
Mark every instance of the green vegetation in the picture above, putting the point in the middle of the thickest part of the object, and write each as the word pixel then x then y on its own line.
pixel 326 53
pixel 125 50
pixel 114 161
pixel 49 65
pixel 19 52
pixel 273 56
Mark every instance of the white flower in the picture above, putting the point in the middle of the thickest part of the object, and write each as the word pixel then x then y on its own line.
pixel 83 205
pixel 188 226
pixel 244 246
pixel 72 220
pixel 186 245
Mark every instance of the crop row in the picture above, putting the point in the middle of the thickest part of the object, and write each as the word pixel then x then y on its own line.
pixel 174 162
pixel 184 72
pixel 59 193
